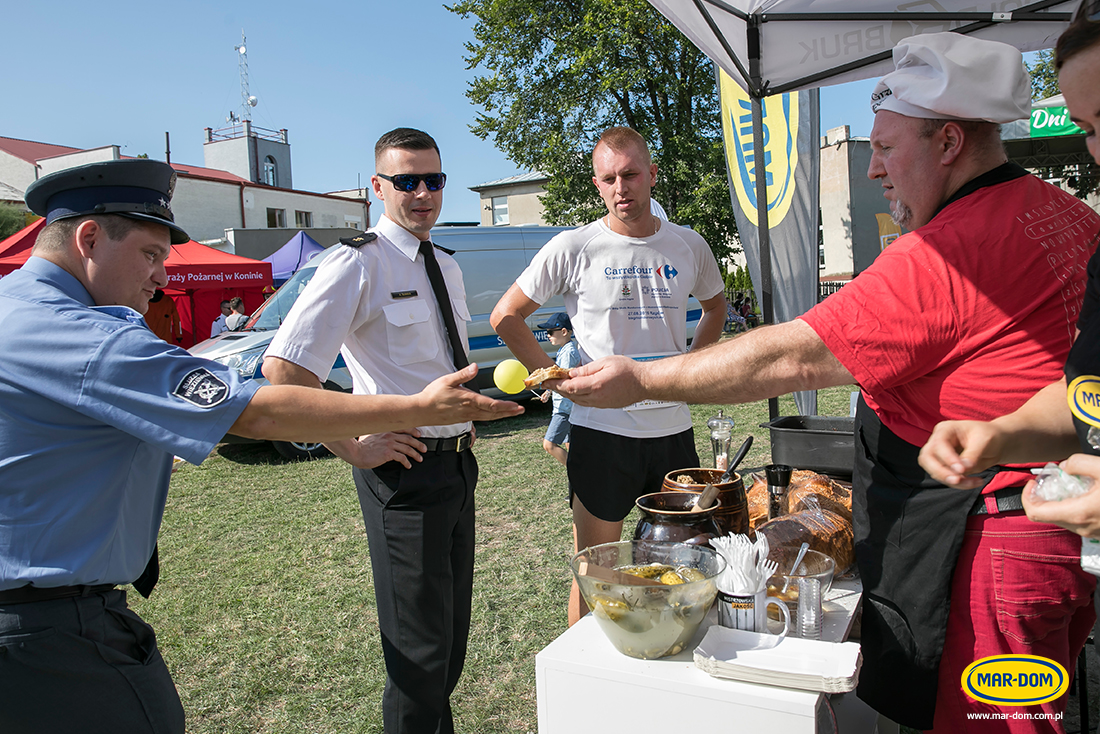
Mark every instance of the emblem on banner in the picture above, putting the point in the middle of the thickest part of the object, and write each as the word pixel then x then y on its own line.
pixel 1084 399
pixel 780 154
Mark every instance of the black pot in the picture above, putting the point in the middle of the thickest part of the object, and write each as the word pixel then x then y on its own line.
pixel 667 516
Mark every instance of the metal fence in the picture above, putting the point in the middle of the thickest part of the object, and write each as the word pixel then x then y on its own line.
pixel 827 288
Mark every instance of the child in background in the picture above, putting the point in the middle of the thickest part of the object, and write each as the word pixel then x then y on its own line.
pixel 560 330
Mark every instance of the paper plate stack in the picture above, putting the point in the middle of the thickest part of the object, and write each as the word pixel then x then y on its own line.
pixel 789 662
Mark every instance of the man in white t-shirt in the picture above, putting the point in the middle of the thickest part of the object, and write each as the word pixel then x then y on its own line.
pixel 626 279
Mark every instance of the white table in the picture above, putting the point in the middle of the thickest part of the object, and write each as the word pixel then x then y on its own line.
pixel 584 684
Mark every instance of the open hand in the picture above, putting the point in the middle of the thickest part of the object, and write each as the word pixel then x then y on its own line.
pixel 447 401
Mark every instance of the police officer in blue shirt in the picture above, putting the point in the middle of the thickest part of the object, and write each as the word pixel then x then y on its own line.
pixel 92 408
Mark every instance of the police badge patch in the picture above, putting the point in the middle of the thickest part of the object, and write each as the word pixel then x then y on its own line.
pixel 202 388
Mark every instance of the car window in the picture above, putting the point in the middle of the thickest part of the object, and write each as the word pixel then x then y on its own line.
pixel 275 309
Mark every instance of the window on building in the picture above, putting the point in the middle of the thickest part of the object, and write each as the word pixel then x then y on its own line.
pixel 270 174
pixel 276 218
pixel 500 210
pixel 303 220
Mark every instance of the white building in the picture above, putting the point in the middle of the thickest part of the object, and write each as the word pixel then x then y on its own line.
pixel 210 200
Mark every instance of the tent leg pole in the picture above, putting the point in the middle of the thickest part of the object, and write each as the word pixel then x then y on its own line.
pixel 760 176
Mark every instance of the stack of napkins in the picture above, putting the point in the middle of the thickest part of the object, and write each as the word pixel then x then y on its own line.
pixel 789 662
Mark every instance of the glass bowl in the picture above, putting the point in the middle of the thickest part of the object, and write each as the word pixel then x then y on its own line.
pixel 645 621
pixel 814 565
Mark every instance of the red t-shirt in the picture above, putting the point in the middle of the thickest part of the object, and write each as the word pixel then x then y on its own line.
pixel 970 315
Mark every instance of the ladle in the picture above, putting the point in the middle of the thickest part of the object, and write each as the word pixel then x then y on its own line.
pixel 705 499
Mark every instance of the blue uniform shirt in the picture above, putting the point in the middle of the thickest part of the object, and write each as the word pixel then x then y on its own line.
pixel 92 408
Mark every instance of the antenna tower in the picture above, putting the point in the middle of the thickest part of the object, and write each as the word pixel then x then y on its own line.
pixel 247 100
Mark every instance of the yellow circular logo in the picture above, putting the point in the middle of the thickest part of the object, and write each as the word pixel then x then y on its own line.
pixel 1015 680
pixel 1083 396
pixel 780 155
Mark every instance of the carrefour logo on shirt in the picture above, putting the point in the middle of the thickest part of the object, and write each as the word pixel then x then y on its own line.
pixel 664 271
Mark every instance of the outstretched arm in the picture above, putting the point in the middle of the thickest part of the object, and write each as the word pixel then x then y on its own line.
pixel 763 363
pixel 297 413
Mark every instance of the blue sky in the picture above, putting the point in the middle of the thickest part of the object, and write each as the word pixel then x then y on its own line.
pixel 336 75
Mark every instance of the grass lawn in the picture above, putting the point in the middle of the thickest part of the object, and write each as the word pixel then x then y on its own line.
pixel 265 609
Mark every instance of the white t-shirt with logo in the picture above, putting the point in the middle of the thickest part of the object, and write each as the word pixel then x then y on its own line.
pixel 626 296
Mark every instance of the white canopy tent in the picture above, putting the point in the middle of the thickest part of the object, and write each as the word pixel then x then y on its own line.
pixel 775 46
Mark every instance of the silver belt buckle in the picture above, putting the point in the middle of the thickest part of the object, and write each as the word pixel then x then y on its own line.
pixel 464 442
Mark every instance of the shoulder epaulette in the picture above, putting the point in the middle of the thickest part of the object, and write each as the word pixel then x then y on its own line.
pixel 444 249
pixel 359 240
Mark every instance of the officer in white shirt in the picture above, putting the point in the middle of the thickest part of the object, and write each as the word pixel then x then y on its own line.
pixel 219 323
pixel 626 279
pixel 375 302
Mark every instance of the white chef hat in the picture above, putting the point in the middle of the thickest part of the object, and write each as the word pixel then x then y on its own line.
pixel 955 77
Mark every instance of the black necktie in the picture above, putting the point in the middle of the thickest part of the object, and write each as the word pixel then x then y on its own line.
pixel 439 287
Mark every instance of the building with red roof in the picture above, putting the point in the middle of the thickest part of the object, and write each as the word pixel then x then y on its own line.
pixel 246 185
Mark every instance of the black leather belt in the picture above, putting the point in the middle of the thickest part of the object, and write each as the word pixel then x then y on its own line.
pixel 1008 499
pixel 452 443
pixel 27 594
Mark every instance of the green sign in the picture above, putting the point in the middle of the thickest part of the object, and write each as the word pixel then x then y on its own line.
pixel 1049 121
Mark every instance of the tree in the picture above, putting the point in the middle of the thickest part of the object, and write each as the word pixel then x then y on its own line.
pixel 559 72
pixel 1081 178
pixel 11 220
pixel 1044 77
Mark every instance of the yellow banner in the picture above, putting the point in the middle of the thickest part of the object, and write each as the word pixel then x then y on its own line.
pixel 780 118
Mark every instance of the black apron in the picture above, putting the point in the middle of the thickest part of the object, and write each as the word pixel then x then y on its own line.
pixel 908 534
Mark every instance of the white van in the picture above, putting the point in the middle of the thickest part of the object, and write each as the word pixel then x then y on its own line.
pixel 491 259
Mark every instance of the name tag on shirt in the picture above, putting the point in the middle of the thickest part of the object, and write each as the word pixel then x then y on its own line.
pixel 402 294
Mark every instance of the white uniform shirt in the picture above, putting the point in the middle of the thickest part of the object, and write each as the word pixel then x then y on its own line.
pixel 374 305
pixel 218 326
pixel 626 296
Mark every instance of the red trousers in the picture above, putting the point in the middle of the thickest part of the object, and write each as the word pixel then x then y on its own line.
pixel 1018 588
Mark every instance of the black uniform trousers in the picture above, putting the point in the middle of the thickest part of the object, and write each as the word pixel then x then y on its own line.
pixel 420 527
pixel 83 664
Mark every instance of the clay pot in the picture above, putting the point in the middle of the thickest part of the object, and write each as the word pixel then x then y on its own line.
pixel 733 515
pixel 667 516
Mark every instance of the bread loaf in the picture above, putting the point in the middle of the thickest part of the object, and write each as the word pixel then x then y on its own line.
pixel 825 531
pixel 757 496
pixel 809 491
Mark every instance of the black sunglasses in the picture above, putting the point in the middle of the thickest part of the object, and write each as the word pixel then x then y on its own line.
pixel 411 181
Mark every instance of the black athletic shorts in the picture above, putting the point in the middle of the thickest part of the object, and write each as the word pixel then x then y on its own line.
pixel 608 472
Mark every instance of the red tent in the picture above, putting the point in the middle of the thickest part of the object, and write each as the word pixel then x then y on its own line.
pixel 21 241
pixel 199 279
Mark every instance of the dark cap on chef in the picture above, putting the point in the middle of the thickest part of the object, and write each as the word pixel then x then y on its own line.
pixel 135 188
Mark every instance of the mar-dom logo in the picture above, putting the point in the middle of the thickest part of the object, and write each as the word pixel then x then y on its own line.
pixel 667 272
pixel 780 154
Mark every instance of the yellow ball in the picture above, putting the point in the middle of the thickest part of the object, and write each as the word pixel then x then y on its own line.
pixel 509 376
